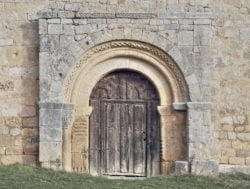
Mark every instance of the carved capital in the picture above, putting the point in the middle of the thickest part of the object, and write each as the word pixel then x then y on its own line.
pixel 165 110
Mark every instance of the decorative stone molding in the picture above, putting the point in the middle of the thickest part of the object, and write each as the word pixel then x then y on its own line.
pixel 164 15
pixel 79 149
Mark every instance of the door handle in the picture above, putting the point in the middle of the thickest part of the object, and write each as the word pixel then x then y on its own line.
pixel 144 135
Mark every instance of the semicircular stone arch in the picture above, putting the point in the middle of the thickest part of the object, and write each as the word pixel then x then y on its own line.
pixel 152 55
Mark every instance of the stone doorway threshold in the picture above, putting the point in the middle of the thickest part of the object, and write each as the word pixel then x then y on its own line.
pixel 124 177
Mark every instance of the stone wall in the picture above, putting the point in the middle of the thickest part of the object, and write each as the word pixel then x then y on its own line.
pixel 19 81
pixel 231 65
pixel 217 45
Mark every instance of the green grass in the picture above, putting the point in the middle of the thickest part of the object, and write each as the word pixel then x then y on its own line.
pixel 29 177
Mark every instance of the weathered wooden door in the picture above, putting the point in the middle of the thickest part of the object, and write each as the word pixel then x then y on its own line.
pixel 124 126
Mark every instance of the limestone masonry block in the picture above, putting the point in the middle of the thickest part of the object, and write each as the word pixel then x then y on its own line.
pixel 204 167
pixel 30 122
pixel 80 21
pixel 6 42
pixel 181 167
pixel 51 151
pixel 248 161
pixel 47 14
pixel 11 159
pixel 245 33
pixel 72 6
pixel 6 85
pixel 202 35
pixel 15 131
pixel 66 14
pixel 237 161
pixel 66 21
pixel 85 29
pixel 54 21
pixel 13 121
pixel 243 136
pixel 43 26
pixel 4 130
pixel 68 30
pixel 54 29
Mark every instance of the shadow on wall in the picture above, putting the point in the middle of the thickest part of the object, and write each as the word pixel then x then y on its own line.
pixel 30 95
pixel 19 141
pixel 30 34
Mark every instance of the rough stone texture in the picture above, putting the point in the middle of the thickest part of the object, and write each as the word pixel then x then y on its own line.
pixel 209 40
pixel 224 168
pixel 181 167
pixel 52 119
pixel 204 167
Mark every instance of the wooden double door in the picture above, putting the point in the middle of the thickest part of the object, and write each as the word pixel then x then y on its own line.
pixel 124 135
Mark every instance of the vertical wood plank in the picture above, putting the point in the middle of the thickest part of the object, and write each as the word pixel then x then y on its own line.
pixel 112 150
pixel 126 138
pixel 139 138
pixel 154 140
pixel 94 155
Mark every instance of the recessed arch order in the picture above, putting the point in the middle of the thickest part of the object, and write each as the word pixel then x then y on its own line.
pixel 144 58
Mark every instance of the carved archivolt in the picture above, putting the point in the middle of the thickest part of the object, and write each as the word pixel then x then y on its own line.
pixel 137 45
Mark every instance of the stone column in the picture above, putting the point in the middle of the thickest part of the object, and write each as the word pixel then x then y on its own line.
pixel 53 117
pixel 173 135
pixel 165 115
pixel 201 139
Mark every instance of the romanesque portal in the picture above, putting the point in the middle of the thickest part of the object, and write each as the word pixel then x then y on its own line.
pixel 121 111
